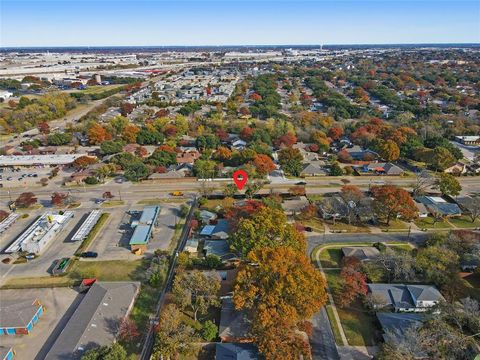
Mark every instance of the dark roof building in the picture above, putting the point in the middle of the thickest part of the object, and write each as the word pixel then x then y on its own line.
pixel 234 324
pixel 17 317
pixel 362 253
pixel 379 169
pixel 398 323
pixel 236 351
pixel 402 297
pixel 438 205
pixel 95 321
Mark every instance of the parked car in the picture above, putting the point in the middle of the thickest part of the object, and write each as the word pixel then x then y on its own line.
pixel 301 183
pixel 89 254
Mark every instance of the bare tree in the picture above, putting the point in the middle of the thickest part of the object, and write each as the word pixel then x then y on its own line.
pixel 423 181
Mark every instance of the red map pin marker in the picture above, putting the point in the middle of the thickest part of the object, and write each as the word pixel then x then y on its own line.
pixel 240 178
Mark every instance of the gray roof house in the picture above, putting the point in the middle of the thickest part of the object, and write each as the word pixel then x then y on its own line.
pixel 236 351
pixel 406 298
pixel 314 168
pixel 379 169
pixel 333 207
pixel 95 321
pixel 295 205
pixel 399 323
pixel 362 253
pixel 234 324
pixel 438 205
pixel 359 154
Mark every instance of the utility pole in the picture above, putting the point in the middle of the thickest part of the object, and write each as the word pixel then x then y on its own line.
pixel 119 195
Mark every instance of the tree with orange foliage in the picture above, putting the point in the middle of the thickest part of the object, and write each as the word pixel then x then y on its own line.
pixel 267 227
pixel 245 211
pixel 44 128
pixel 222 154
pixel 255 97
pixel 98 134
pixel 390 201
pixel 344 156
pixel 286 140
pixel 170 130
pixel 335 132
pixel 389 150
pixel 281 290
pixel 263 164
pixel 129 133
pixel 361 95
pixel 222 135
pixel 141 151
pixel 83 162
pixel 246 133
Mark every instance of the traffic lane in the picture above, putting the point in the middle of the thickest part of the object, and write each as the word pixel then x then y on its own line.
pixel 323 341
pixel 315 240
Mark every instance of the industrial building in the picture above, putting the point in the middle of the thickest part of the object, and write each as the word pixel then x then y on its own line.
pixel 8 221
pixel 87 225
pixel 40 233
pixel 17 317
pixel 96 320
pixel 143 229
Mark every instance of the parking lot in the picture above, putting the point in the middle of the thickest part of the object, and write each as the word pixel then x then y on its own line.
pixel 59 303
pixel 28 176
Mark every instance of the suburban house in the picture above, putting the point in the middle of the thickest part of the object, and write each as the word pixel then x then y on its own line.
pixel 314 168
pixel 467 203
pixel 333 207
pixel 216 231
pixel 207 216
pixel 236 351
pixel 397 324
pixel 357 153
pixel 469 262
pixel 405 298
pixel 362 253
pixel 95 321
pixel 234 324
pixel 191 246
pixel 295 205
pixel 422 209
pixel 438 206
pixel 379 169
pixel 17 317
pixel 188 157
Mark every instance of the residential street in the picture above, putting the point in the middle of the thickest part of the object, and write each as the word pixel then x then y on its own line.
pixel 323 341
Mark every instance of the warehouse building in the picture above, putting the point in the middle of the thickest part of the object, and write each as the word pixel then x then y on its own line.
pixel 17 317
pixel 143 229
pixel 40 233
pixel 96 320
pixel 87 225
pixel 35 160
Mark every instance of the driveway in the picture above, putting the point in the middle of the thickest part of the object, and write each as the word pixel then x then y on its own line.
pixel 322 340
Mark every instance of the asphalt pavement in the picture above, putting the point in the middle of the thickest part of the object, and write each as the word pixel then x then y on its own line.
pixel 322 340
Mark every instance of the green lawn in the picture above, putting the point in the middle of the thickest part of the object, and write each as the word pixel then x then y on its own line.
pixel 464 222
pixel 331 257
pixel 112 203
pixel 334 325
pixel 428 223
pixel 112 270
pixel 350 228
pixel 358 325
pixel 394 225
pixel 315 223
pixel 99 89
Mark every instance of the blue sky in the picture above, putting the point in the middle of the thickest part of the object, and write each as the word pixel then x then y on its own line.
pixel 229 22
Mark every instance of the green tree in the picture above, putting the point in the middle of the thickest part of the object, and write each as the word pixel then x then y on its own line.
pixel 266 228
pixel 113 352
pixel 204 169
pixel 110 147
pixel 291 161
pixel 437 264
pixel 448 184
pixel 209 330
pixel 336 169
pixel 173 336
pixel 58 139
pixel 136 171
pixel 196 291
pixel 441 159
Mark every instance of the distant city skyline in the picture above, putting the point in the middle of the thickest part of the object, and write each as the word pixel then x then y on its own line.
pixel 197 23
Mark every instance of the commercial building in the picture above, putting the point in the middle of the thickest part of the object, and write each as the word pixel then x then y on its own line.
pixel 96 320
pixel 35 160
pixel 143 229
pixel 6 353
pixel 17 317
pixel 8 221
pixel 468 139
pixel 40 233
